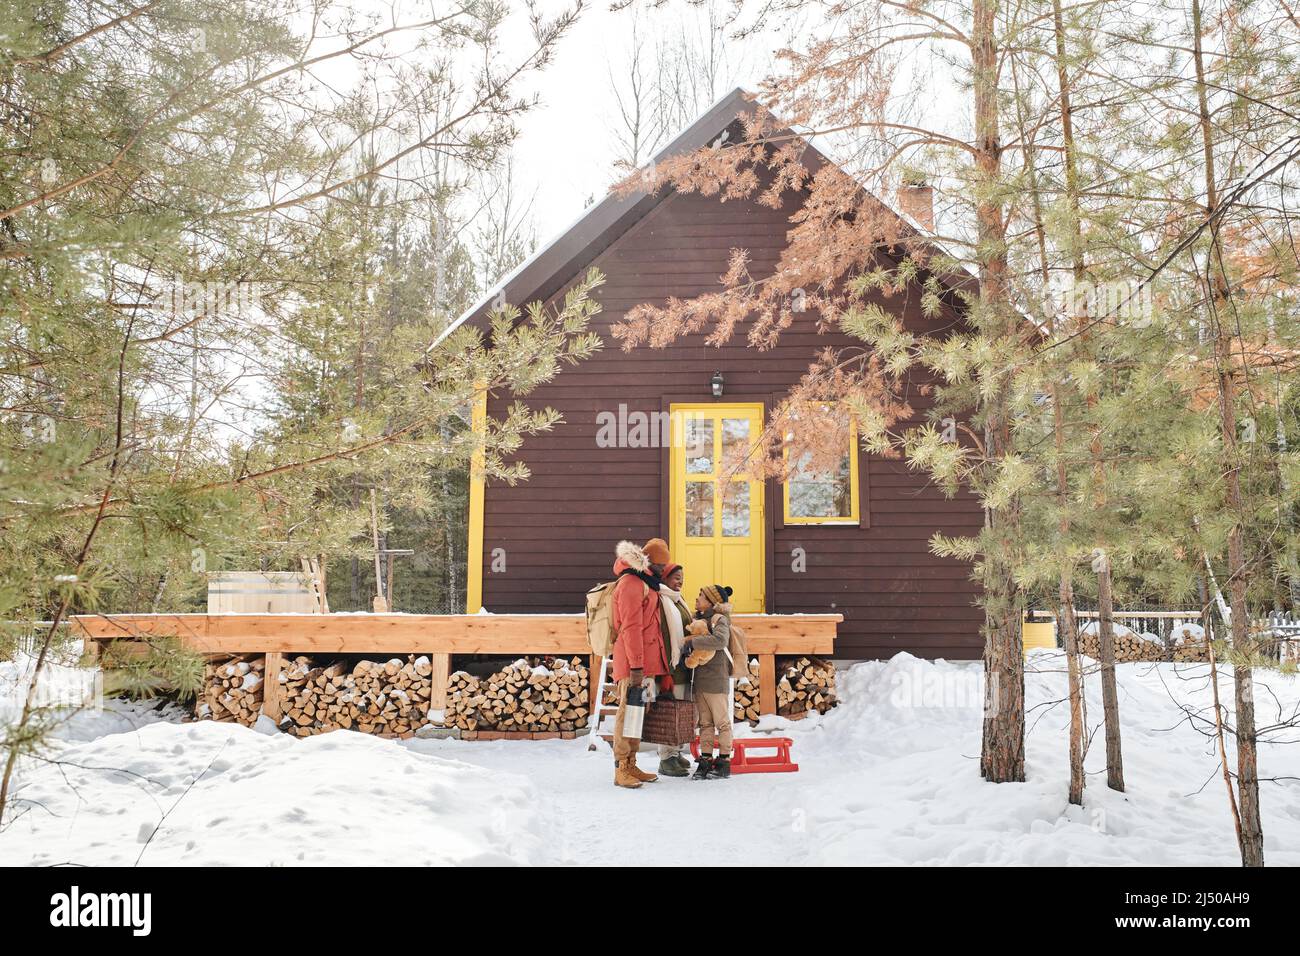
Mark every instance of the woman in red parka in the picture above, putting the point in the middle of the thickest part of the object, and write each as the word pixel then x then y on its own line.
pixel 638 648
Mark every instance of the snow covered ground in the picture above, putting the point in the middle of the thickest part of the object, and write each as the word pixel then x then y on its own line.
pixel 890 777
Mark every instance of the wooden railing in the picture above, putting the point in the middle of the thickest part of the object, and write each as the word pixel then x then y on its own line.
pixel 440 636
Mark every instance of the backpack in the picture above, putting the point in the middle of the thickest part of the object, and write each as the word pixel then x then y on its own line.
pixel 602 629
pixel 736 654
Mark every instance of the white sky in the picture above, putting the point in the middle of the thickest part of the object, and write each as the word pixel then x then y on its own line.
pixel 564 156
pixel 566 149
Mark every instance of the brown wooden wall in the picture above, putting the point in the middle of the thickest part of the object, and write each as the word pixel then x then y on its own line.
pixel 558 529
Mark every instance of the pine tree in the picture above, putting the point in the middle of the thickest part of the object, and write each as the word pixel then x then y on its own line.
pixel 168 164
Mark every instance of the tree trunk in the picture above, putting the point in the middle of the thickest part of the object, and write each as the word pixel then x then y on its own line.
pixel 388 575
pixel 1251 839
pixel 1002 757
pixel 1105 603
pixel 1074 680
pixel 1291 599
pixel 1067 623
pixel 1109 691
pixel 1065 614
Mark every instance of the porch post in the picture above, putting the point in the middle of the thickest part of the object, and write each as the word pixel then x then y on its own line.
pixel 438 689
pixel 272 692
pixel 767 683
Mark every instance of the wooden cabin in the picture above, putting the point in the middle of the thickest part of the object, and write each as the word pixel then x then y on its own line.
pixel 854 544
pixel 824 565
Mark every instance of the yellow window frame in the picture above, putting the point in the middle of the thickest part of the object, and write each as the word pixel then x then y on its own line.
pixel 854 516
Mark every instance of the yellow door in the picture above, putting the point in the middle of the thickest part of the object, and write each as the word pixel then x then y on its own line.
pixel 717 505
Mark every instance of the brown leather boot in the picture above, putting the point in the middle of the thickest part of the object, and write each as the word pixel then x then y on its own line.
pixel 640 774
pixel 623 777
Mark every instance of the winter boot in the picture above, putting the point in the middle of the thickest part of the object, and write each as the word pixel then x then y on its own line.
pixel 672 767
pixel 624 778
pixel 722 766
pixel 637 772
pixel 682 762
pixel 703 767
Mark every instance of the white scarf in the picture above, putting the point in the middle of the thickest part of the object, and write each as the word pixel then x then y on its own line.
pixel 676 633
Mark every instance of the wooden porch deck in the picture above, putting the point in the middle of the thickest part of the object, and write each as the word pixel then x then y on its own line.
pixel 439 636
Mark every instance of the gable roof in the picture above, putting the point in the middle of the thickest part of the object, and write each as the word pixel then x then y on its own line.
pixel 550 267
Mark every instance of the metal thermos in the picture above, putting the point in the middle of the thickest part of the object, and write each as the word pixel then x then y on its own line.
pixel 634 713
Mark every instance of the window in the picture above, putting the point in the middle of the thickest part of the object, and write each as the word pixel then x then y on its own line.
pixel 820 497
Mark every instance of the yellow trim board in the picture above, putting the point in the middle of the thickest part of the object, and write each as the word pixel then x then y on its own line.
pixel 477 495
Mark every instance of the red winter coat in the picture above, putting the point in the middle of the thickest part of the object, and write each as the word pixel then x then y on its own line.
pixel 636 616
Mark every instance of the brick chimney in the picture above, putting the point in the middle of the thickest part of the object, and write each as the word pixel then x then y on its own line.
pixel 916 199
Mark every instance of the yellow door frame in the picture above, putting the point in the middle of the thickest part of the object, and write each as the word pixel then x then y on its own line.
pixel 752 599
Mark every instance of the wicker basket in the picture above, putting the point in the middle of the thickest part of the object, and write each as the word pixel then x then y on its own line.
pixel 669 721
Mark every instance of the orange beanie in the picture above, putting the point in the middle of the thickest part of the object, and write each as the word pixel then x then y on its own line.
pixel 656 549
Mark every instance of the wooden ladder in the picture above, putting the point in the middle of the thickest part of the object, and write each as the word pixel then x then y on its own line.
pixel 598 711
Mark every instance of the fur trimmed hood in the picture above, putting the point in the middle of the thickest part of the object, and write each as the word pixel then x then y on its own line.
pixel 632 556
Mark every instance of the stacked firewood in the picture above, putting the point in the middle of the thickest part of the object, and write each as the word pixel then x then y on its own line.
pixel 745 699
pixel 389 698
pixel 1189 644
pixel 807 684
pixel 1129 647
pixel 232 691
pixel 539 696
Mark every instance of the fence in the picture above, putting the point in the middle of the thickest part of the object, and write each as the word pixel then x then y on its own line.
pixel 1281 630
pixel 1165 625
pixel 1279 633
pixel 27 637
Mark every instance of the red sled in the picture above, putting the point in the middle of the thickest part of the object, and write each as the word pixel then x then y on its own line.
pixel 742 762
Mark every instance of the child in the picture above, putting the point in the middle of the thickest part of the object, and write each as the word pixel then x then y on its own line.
pixel 711 633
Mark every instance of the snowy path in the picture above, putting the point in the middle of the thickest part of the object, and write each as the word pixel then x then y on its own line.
pixel 587 819
pixel 889 777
